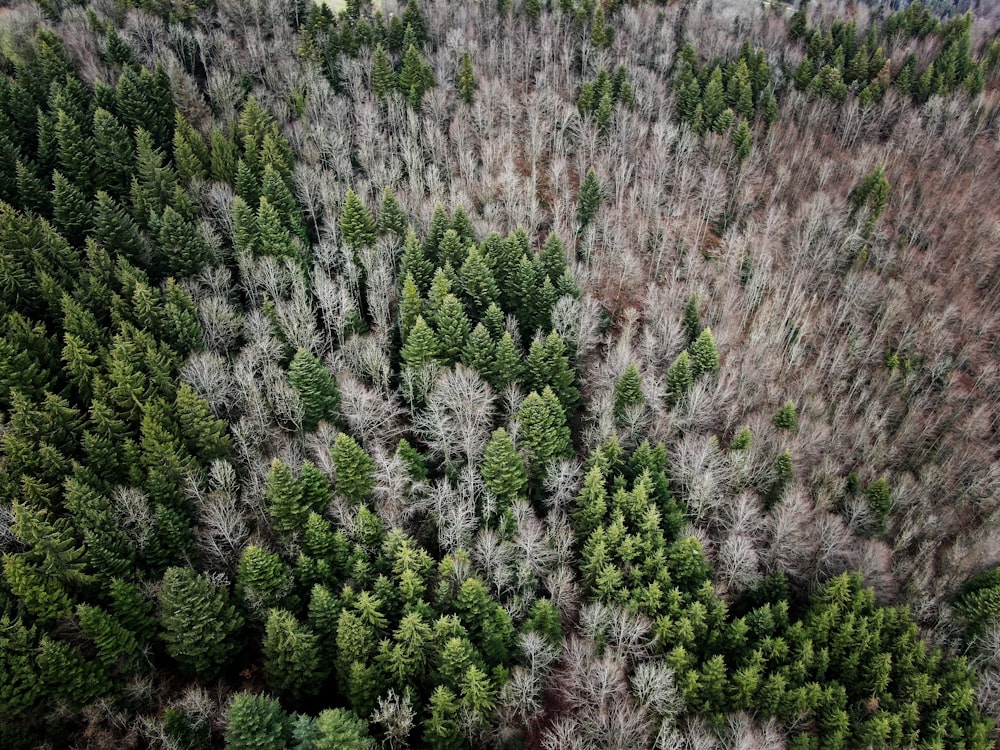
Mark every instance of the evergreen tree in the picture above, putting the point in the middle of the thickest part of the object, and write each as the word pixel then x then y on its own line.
pixel 292 656
pixel 479 288
pixel 415 264
pixel 383 76
pixel 742 141
pixel 316 389
pixel 480 352
pixel 704 356
pixel 390 216
pixel 452 329
pixel 680 378
pixel 467 85
pixel 787 417
pixel 628 392
pixel 262 579
pixel 181 246
pixel 71 210
pixel 354 470
pixel 507 368
pixel 256 722
pixel 116 230
pixel 422 345
pixel 356 225
pixel 443 730
pixel 415 77
pixel 543 433
pixel 504 475
pixel 75 152
pixel 590 199
pixel 285 500
pixel 200 627
pixel 339 729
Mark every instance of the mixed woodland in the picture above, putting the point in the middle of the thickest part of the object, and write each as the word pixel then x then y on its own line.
pixel 517 374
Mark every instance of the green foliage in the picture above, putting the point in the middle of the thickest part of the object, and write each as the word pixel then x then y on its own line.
pixel 316 389
pixel 704 356
pixel 293 658
pixel 262 579
pixel 256 722
pixel 356 225
pixel 354 470
pixel 200 626
pixel 590 199
pixel 628 392
pixel 467 85
pixel 787 417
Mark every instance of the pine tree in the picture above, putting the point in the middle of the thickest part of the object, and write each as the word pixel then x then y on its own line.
pixel 200 627
pixel 504 475
pixel 590 199
pixel 786 418
pixel 190 153
pixel 71 211
pixel 390 216
pixel 340 729
pixel 480 352
pixel 316 389
pixel 262 579
pixel 479 288
pixel 628 392
pixel 285 501
pixel 467 85
pixel 543 434
pixel 116 230
pixel 704 356
pixel 356 225
pixel 181 245
pixel 742 141
pixel 507 368
pixel 680 378
pixel 414 262
pixel 354 470
pixel 442 730
pixel 292 656
pixel 422 346
pixel 383 76
pixel 452 329
pixel 256 722
pixel 415 77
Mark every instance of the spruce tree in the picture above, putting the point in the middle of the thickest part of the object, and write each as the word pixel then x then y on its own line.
pixel 503 471
pixel 383 76
pixel 391 218
pixel 285 500
pixel 507 368
pixel 452 329
pixel 479 288
pixel 200 627
pixel 467 85
pixel 316 389
pixel 356 225
pixel 422 345
pixel 680 378
pixel 354 470
pixel 292 656
pixel 704 356
pixel 256 722
pixel 628 392
pixel 262 579
pixel 590 199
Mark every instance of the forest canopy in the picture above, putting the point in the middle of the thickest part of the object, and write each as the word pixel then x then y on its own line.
pixel 530 374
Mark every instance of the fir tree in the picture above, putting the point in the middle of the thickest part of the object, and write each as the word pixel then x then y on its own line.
pixel 354 470
pixel 467 85
pixel 356 225
pixel 422 345
pixel 292 656
pixel 315 387
pixel 628 392
pixel 383 76
pixel 452 329
pixel 680 378
pixel 285 501
pixel 262 580
pixel 200 627
pixel 590 199
pixel 391 218
pixel 704 356
pixel 256 722
pixel 503 471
